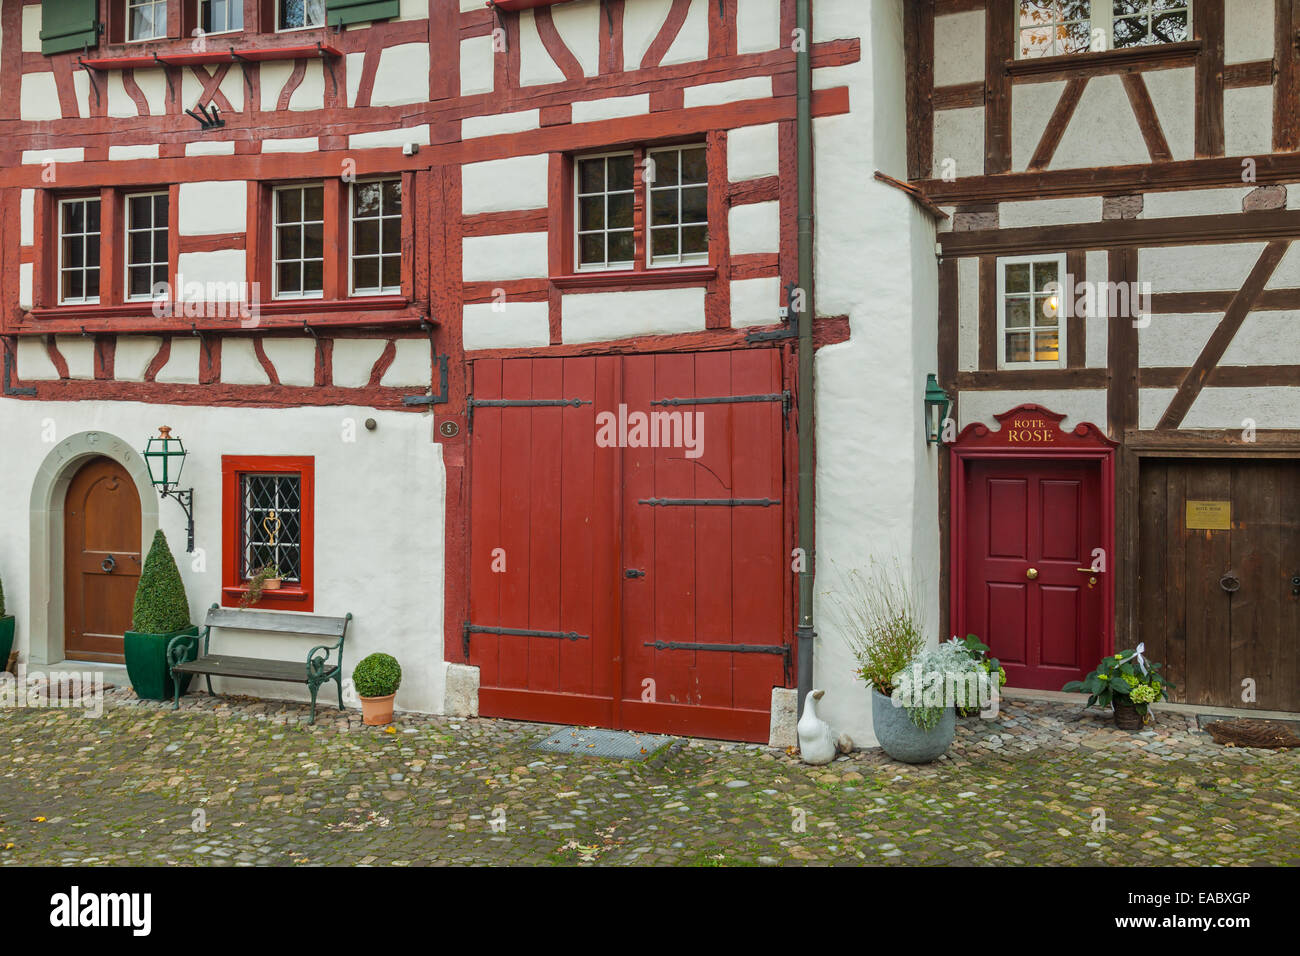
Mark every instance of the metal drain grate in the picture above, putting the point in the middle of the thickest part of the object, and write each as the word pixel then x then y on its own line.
pixel 616 744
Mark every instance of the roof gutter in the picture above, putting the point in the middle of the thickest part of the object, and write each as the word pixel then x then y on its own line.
pixel 807 478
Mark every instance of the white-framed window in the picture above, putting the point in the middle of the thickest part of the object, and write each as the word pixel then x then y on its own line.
pixel 1058 27
pixel 146 19
pixel 1030 296
pixel 299 243
pixel 146 243
pixel 221 16
pixel 604 195
pixel 299 14
pixel 679 206
pixel 376 266
pixel 79 240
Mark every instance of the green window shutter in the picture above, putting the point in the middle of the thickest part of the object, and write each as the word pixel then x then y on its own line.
pixel 343 12
pixel 68 25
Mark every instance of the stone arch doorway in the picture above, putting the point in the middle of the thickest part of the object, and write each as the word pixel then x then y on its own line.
pixel 49 532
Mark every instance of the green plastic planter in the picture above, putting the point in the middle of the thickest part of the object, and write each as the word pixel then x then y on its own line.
pixel 6 639
pixel 146 664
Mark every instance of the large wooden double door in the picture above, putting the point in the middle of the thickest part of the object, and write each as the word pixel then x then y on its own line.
pixel 620 584
pixel 101 564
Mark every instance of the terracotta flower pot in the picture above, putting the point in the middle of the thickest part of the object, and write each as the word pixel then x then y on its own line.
pixel 377 711
pixel 271 584
pixel 1127 717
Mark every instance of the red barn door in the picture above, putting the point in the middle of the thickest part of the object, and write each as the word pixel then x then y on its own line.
pixel 640 582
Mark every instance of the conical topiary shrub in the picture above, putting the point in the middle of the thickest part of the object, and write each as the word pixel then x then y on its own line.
pixel 161 606
pixel 161 612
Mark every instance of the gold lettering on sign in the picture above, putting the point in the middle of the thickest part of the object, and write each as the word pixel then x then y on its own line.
pixel 1027 431
pixel 1208 515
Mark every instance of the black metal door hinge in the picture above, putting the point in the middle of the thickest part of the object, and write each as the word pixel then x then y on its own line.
pixel 517 632
pixel 473 403
pixel 441 397
pixel 709 502
pixel 9 388
pixel 782 649
pixel 783 397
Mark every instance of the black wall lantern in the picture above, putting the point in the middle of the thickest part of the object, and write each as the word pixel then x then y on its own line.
pixel 165 457
pixel 937 407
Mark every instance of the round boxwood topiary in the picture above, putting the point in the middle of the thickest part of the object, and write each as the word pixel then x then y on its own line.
pixel 377 676
pixel 160 603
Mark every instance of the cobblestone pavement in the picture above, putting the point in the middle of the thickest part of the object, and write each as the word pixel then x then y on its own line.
pixel 235 781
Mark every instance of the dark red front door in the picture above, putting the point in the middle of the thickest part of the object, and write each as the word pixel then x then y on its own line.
pixel 1031 527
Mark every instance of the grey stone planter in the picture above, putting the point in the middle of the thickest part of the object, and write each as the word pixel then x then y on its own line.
pixel 902 739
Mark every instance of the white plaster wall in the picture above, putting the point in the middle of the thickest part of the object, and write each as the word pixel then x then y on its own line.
pixel 366 557
pixel 1248 121
pixel 611 107
pixel 182 366
pixel 536 67
pixel 390 137
pixel 968 314
pixel 605 316
pixel 34 361
pixel 496 258
pixel 496 124
pixel 1265 338
pixel 210 148
pixel 216 271
pixel 1032 105
pixel 500 185
pixel 31 29
pixel 66 154
pixel 959 136
pixel 304 144
pixel 579 24
pixel 353 361
pixel 1098 269
pixel 213 208
pixel 1208 268
pixel 1049 212
pixel 1231 408
pixel 1247 31
pixel 1173 94
pixel 508 325
pixel 294 360
pixel 239 364
pixel 132 355
pixel 758 25
pixel 27 216
pixel 728 91
pixel 877 486
pixel 959 48
pixel 755 301
pixel 755 228
pixel 398 75
pixel 1174 340
pixel 476 65
pixel 143 151
pixel 79 352
pixel 38 98
pixel 412 365
pixel 752 152
pixel 310 94
pixel 1194 202
pixel 1103 130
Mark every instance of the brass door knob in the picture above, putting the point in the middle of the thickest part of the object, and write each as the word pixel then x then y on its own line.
pixel 1032 574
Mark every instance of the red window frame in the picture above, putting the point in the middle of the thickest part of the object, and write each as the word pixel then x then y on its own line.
pixel 233 585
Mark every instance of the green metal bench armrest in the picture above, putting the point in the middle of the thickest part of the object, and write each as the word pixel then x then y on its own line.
pixel 177 647
pixel 316 665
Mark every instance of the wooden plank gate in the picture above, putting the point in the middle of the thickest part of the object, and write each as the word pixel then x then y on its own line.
pixel 629 540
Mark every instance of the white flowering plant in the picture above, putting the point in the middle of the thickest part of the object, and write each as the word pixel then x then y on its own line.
pixel 936 679
pixel 1124 679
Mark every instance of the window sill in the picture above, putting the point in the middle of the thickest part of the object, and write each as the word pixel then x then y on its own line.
pixel 284 599
pixel 1109 61
pixel 171 52
pixel 278 314
pixel 648 278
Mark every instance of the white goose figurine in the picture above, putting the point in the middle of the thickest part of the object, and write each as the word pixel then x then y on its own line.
pixel 818 742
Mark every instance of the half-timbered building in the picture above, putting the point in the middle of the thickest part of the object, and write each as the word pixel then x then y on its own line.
pixel 482 322
pixel 1118 296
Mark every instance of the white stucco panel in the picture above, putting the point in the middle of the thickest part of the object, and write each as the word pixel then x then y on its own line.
pixel 212 208
pixel 1248 121
pixel 497 258
pixel 477 68
pixel 1173 94
pixel 496 124
pixel 392 138
pixel 509 325
pixel 133 353
pixel 968 314
pixel 500 185
pixel 1103 130
pixel 611 107
pixel 294 360
pixel 402 75
pixel 42 157
pixel 27 217
pixel 755 301
pixel 1230 408
pixel 182 366
pixel 81 90
pixel 1032 105
pixel 536 68
pixel 692 42
pixel 141 151
pixel 1077 405
pixel 39 98
pixel 303 144
pixel 579 24
pixel 755 228
pixel 603 316
pixel 1174 340
pixel 1208 268
pixel 1248 31
pixel 1049 212
pixel 959 138
pixel 215 276
pixel 79 352
pixel 1194 202
pixel 758 25
pixel 210 147
pixel 354 360
pixel 959 48
pixel 239 363
pixel 26 273
pixel 728 91
pixel 1098 268
pixel 34 361
pixel 752 152
pixel 412 366
pixel 31 29
pixel 310 93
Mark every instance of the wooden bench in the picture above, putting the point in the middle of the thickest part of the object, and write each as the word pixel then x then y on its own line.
pixel 317 670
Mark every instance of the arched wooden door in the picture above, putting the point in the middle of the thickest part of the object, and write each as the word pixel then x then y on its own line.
pixel 101 565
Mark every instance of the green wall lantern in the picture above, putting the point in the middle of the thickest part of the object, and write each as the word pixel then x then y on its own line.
pixel 937 406
pixel 165 457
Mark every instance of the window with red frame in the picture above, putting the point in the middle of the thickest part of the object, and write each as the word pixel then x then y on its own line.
pixel 641 208
pixel 268 517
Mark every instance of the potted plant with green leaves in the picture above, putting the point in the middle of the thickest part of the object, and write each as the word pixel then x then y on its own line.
pixel 1128 683
pixel 6 631
pixel 264 579
pixel 884 628
pixel 376 679
pixel 161 612
pixel 986 664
